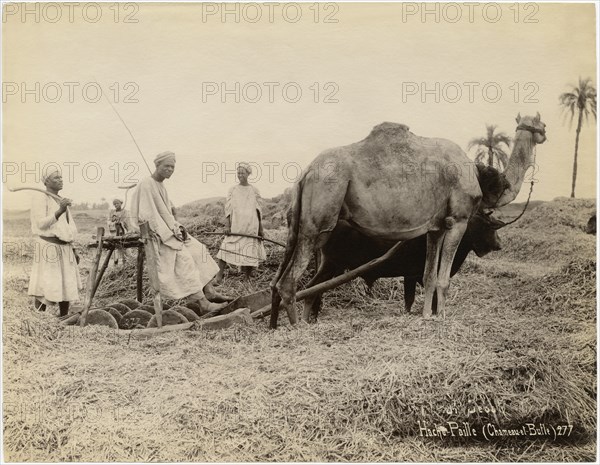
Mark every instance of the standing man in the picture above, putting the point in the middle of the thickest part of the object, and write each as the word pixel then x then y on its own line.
pixel 185 267
pixel 243 215
pixel 55 272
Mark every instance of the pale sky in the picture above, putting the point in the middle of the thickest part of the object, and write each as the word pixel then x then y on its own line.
pixel 376 61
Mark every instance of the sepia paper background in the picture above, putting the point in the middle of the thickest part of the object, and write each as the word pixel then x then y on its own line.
pixel 368 54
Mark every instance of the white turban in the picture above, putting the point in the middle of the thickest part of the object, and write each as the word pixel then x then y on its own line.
pixel 49 172
pixel 163 156
pixel 245 166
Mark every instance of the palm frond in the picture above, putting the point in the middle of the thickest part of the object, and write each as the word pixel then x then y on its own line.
pixel 493 142
pixel 502 157
pixel 479 141
pixel 480 157
pixel 581 98
pixel 502 138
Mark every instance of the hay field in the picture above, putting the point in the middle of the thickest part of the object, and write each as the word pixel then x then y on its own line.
pixel 368 383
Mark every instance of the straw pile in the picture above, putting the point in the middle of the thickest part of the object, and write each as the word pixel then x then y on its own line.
pixel 518 346
pixel 554 229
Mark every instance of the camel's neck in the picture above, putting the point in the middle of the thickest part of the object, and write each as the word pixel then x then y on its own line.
pixel 521 159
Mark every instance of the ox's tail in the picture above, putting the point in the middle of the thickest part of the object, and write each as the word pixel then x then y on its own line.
pixel 293 217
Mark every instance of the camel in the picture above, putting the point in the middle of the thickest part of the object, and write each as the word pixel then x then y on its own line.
pixel 394 185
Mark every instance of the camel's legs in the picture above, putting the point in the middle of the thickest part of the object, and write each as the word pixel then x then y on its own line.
pixel 308 230
pixel 276 296
pixel 286 287
pixel 434 245
pixel 451 242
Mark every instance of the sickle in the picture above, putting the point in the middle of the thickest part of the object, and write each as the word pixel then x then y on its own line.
pixel 37 189
pixel 127 188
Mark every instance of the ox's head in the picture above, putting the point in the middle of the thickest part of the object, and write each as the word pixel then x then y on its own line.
pixel 483 231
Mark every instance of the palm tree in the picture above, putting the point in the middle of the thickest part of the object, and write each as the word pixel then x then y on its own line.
pixel 491 146
pixel 581 99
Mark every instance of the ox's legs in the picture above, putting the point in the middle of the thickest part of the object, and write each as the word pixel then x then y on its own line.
pixel 370 282
pixel 410 288
pixel 449 248
pixel 312 305
pixel 434 245
pixel 275 303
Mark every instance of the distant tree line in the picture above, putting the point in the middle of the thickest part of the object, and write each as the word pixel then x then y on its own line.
pixel 91 206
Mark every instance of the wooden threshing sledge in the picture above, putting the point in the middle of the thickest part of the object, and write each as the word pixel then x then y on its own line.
pixel 258 303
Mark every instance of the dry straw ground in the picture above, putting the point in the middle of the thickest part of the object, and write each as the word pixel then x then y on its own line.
pixel 518 346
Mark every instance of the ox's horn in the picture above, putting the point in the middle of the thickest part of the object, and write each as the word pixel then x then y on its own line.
pixel 496 223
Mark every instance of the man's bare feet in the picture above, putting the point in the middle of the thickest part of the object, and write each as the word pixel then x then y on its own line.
pixel 214 296
pixel 208 307
pixel 213 306
pixel 205 306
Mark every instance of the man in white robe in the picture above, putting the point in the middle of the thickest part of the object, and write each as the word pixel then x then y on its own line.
pixel 185 267
pixel 243 215
pixel 55 272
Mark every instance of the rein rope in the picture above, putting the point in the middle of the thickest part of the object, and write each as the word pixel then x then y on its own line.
pixel 514 220
pixel 524 208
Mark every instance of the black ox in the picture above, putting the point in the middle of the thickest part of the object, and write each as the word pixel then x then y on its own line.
pixel 348 249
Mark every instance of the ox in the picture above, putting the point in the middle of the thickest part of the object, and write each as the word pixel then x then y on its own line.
pixel 349 249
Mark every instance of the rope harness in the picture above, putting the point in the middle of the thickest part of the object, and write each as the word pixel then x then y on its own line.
pixel 532 130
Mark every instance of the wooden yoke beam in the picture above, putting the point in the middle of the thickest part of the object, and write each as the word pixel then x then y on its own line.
pixel 90 287
pixel 139 273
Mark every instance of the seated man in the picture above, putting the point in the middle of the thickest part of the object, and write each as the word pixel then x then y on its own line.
pixel 185 267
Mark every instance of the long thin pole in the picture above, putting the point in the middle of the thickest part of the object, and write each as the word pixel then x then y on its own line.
pixel 139 274
pixel 126 127
pixel 37 189
pixel 90 288
pixel 216 233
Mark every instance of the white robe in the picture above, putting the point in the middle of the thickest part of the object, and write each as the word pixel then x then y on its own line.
pixel 242 207
pixel 55 273
pixel 184 268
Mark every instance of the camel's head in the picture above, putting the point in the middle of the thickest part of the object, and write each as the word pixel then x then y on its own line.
pixel 534 125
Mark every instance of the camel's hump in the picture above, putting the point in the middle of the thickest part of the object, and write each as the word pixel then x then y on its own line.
pixel 389 128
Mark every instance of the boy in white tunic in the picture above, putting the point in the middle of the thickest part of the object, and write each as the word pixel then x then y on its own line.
pixel 118 225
